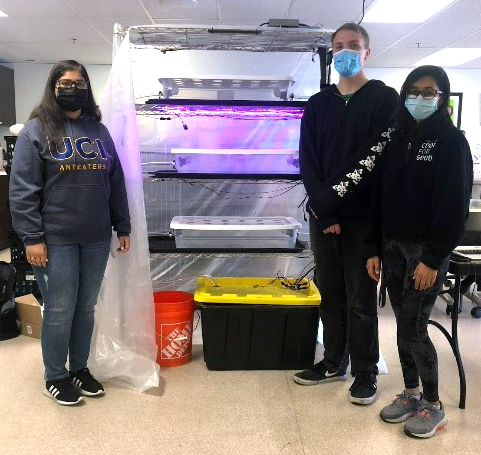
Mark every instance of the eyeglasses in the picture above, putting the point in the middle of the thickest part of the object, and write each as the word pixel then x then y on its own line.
pixel 67 83
pixel 427 93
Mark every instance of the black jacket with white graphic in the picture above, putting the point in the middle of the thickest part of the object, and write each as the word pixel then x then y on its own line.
pixel 336 148
pixel 422 189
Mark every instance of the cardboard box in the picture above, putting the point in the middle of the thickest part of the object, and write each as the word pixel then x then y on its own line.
pixel 29 312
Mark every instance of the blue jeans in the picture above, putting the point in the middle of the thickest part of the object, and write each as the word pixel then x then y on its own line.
pixel 70 285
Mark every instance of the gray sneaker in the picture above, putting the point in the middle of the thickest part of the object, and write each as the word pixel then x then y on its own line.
pixel 426 421
pixel 400 409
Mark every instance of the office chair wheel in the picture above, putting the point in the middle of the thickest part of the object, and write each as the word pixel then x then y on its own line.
pixel 476 312
pixel 448 284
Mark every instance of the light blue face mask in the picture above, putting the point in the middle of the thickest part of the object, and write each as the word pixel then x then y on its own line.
pixel 347 62
pixel 421 108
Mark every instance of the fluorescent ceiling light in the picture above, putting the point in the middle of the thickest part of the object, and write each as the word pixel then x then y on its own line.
pixel 2 14
pixel 405 11
pixel 451 56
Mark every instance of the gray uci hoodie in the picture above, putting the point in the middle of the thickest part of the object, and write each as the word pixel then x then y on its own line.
pixel 71 194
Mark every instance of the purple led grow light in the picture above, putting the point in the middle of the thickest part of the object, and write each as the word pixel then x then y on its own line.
pixel 239 112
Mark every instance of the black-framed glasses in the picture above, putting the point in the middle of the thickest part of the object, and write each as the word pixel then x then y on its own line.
pixel 427 93
pixel 67 83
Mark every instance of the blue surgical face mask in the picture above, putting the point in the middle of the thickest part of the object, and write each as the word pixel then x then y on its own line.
pixel 347 62
pixel 421 108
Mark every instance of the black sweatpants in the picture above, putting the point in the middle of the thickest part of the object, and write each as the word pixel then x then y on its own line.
pixel 412 309
pixel 348 305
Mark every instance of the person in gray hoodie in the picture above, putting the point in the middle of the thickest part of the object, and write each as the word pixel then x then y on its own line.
pixel 67 192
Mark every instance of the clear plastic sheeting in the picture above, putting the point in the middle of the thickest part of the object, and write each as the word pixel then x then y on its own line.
pixel 123 347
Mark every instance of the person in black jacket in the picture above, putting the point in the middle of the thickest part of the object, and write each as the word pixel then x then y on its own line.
pixel 419 208
pixel 343 130
pixel 67 192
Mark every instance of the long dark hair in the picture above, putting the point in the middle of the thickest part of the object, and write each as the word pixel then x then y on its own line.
pixel 49 112
pixel 404 120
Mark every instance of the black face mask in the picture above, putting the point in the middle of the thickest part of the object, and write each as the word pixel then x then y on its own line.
pixel 72 99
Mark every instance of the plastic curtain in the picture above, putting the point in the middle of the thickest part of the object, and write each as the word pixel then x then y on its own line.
pixel 123 347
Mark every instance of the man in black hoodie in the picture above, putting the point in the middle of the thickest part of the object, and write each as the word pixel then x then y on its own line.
pixel 343 130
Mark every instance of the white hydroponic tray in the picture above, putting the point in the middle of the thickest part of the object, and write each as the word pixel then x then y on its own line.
pixel 234 232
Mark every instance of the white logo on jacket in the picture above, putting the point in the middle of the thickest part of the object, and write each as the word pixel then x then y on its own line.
pixel 369 162
pixel 356 175
pixel 341 188
pixel 424 153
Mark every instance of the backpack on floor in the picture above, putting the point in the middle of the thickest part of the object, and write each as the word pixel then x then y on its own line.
pixel 8 316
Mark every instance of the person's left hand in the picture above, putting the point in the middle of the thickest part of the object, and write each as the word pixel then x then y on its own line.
pixel 424 277
pixel 124 243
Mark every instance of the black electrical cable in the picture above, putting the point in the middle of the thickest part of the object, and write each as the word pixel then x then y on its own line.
pixel 303 274
pixel 281 191
pixel 183 123
pixel 363 10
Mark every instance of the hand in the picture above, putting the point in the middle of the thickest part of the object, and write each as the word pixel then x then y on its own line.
pixel 334 229
pixel 373 266
pixel 424 277
pixel 37 254
pixel 124 243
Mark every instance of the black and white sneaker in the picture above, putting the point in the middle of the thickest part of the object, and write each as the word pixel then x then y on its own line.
pixel 86 383
pixel 364 388
pixel 63 392
pixel 318 374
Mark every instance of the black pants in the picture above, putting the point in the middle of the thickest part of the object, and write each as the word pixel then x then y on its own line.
pixel 412 309
pixel 348 306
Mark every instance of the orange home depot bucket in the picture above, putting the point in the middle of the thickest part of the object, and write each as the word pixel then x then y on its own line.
pixel 174 319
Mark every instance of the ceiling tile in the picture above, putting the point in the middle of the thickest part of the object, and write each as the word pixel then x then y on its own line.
pixel 460 12
pixel 182 9
pixel 107 8
pixel 260 11
pixel 33 25
pixel 438 35
pixel 472 64
pixel 327 10
pixel 379 37
pixel 36 8
pixel 191 21
pixel 473 41
pixel 52 53
pixel 7 54
pixel 397 58
pixel 448 27
pixel 41 52
pixel 106 26
pixel 14 30
pixel 65 30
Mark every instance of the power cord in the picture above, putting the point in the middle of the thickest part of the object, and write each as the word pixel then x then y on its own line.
pixel 363 10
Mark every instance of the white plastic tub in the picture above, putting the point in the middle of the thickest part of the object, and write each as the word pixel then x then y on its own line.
pixel 234 232
pixel 237 160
